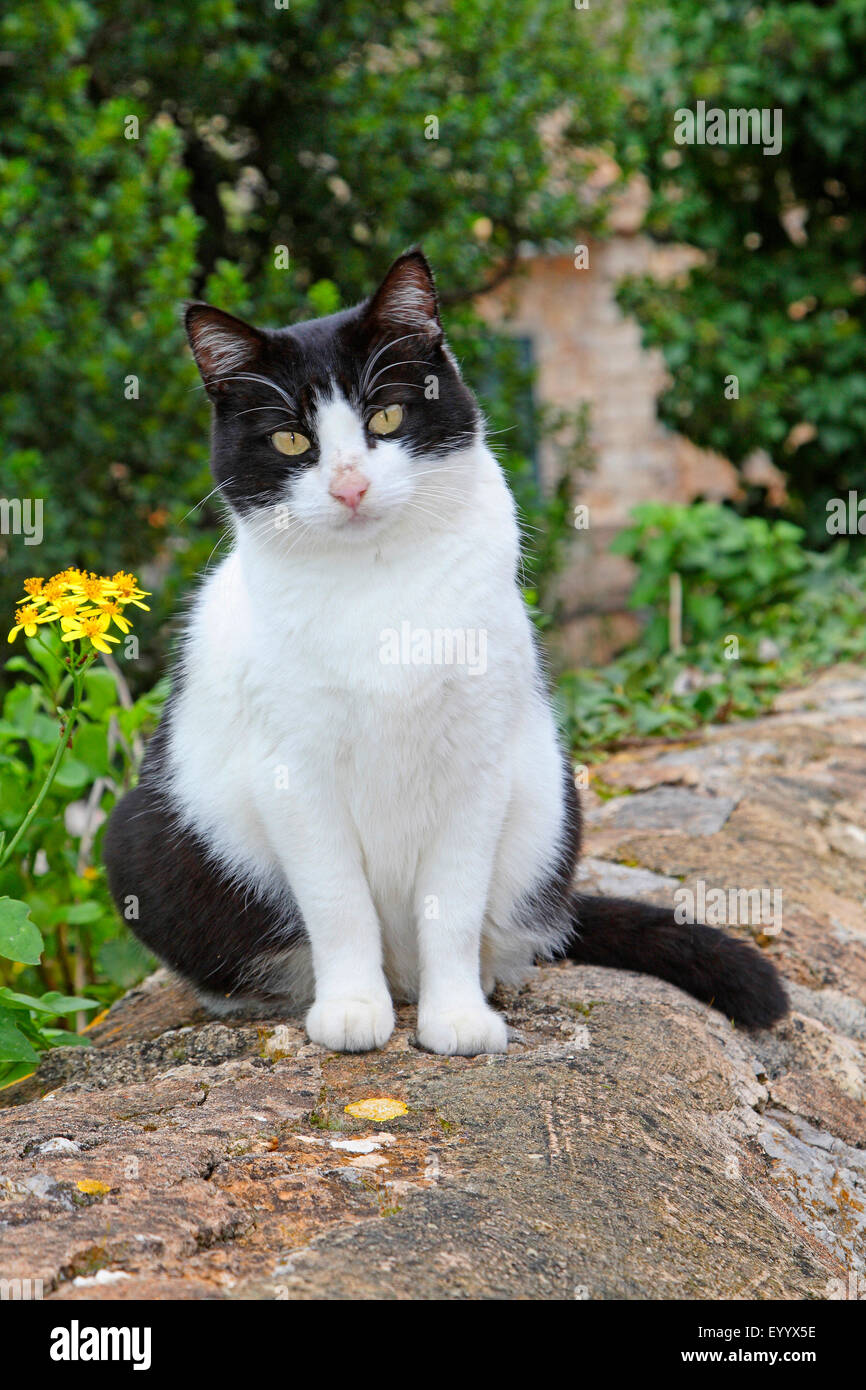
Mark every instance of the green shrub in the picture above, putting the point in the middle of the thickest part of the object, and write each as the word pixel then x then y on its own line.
pixel 759 613
pixel 60 936
pixel 779 298
pixel 729 566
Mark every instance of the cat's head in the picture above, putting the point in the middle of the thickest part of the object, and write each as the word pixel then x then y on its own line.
pixel 342 424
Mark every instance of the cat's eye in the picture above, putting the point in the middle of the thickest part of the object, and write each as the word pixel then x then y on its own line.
pixel 290 442
pixel 386 421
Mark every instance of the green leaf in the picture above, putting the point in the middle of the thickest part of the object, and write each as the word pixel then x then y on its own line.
pixel 55 1003
pixel 20 663
pixel 61 1037
pixel 76 913
pixel 50 661
pixel 51 1003
pixel 10 1000
pixel 14 1047
pixel 19 708
pixel 72 774
pixel 20 938
pixel 124 961
pixel 14 1071
pixel 100 692
pixel 90 747
pixel 46 731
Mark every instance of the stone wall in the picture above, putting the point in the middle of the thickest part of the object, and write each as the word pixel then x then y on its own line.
pixel 632 1144
pixel 586 349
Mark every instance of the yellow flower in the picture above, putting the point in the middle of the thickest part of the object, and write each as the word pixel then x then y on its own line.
pixel 92 628
pixel 49 592
pixel 115 613
pixel 26 618
pixel 90 586
pixel 56 588
pixel 125 586
pixel 69 576
pixel 84 604
pixel 67 610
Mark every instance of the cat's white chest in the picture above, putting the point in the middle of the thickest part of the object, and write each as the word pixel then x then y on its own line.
pixel 373 704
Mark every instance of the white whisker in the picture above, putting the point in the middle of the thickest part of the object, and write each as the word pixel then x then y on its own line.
pixel 263 381
pixel 385 384
pixel 371 361
pixel 205 499
pixel 392 366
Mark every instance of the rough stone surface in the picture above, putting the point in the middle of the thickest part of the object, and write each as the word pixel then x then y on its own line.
pixel 666 808
pixel 631 1144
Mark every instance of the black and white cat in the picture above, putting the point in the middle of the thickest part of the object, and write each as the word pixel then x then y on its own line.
pixel 344 802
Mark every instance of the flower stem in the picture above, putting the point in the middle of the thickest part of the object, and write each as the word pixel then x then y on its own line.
pixel 43 791
pixel 71 720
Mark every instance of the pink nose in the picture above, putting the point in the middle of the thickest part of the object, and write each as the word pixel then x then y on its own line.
pixel 349 487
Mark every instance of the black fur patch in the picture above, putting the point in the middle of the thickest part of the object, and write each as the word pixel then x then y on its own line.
pixel 720 969
pixel 189 912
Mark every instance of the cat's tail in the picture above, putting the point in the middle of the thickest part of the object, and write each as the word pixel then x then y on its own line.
pixel 722 970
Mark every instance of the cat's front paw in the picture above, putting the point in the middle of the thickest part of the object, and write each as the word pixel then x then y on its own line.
pixel 464 1031
pixel 351 1025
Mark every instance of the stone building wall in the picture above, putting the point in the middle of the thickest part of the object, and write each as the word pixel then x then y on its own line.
pixel 586 349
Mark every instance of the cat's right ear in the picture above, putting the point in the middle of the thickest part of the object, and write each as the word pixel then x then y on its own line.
pixel 222 345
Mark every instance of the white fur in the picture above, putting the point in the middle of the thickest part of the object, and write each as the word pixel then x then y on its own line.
pixel 221 349
pixel 409 807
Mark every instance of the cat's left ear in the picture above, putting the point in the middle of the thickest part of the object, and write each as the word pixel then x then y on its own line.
pixel 406 300
pixel 221 344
